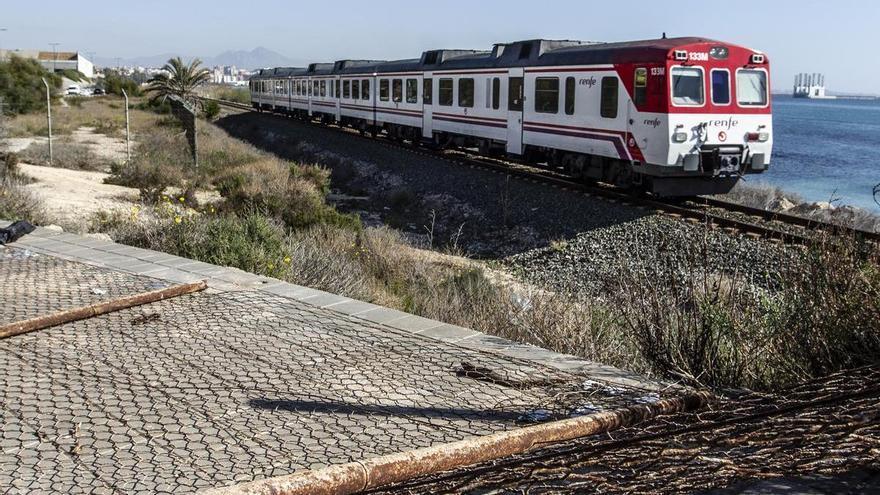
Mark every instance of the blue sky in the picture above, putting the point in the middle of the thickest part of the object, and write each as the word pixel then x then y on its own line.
pixel 836 38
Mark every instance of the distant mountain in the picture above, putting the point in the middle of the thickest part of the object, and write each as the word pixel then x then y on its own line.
pixel 257 58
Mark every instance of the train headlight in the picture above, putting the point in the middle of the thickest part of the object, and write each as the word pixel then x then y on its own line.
pixel 679 137
pixel 760 137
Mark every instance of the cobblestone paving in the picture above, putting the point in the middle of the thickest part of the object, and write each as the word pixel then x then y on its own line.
pixel 213 389
pixel 33 285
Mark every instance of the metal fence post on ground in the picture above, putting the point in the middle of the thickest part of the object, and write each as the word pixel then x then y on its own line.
pixel 127 129
pixel 49 117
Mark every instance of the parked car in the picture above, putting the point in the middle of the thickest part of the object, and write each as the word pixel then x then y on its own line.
pixel 73 91
pixel 98 92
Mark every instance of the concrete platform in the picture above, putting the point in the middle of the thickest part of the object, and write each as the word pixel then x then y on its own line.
pixel 250 379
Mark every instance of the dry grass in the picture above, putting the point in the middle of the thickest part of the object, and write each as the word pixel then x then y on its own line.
pixel 65 154
pixel 823 316
pixel 105 114
pixel 17 203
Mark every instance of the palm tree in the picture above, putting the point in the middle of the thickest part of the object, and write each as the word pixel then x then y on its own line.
pixel 179 79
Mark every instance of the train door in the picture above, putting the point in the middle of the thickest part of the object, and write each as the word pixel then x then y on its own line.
pixel 335 94
pixel 515 106
pixel 310 94
pixel 428 106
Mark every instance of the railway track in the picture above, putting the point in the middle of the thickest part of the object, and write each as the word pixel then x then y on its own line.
pixel 755 222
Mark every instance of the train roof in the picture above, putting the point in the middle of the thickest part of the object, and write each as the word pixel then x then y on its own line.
pixel 526 53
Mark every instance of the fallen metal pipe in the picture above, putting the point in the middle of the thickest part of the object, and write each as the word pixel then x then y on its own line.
pixel 85 312
pixel 355 477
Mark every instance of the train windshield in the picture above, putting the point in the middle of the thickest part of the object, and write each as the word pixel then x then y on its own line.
pixel 687 86
pixel 751 87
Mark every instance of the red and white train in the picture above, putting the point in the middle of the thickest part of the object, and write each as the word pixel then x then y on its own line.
pixel 676 117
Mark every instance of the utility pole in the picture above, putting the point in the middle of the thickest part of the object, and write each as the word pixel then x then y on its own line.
pixel 49 117
pixel 127 128
pixel 2 55
pixel 54 56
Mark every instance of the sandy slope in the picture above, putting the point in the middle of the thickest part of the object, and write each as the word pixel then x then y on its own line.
pixel 71 196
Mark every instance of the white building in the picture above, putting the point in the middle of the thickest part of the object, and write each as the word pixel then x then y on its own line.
pixel 56 61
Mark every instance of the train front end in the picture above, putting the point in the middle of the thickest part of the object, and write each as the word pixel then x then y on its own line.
pixel 719 118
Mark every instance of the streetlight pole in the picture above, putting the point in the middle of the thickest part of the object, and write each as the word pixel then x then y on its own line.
pixel 54 56
pixel 127 129
pixel 49 117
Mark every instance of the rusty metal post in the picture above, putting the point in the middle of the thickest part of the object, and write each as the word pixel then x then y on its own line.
pixel 85 312
pixel 49 117
pixel 355 477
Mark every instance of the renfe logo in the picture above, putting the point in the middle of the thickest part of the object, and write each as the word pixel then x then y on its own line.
pixel 728 124
pixel 589 82
pixel 655 122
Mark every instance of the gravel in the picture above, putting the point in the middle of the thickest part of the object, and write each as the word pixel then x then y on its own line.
pixel 555 238
pixel 593 262
pixel 496 215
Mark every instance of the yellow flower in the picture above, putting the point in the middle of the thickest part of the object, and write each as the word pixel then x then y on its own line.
pixel 177 219
pixel 181 199
pixel 287 260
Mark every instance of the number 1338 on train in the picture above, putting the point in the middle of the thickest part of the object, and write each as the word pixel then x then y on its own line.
pixel 671 116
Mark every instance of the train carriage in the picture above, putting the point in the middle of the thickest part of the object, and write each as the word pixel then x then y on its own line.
pixel 680 116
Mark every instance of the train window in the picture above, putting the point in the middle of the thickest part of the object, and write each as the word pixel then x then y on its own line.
pixel 356 89
pixel 365 89
pixel 687 86
pixel 446 92
pixel 466 92
pixel 397 90
pixel 412 90
pixel 383 90
pixel 608 105
pixel 496 93
pixel 547 95
pixel 640 94
pixel 338 89
pixel 323 88
pixel 428 91
pixel 720 86
pixel 346 89
pixel 570 87
pixel 751 87
pixel 515 94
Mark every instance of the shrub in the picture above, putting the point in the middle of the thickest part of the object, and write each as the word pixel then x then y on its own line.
pixel 114 83
pixel 211 109
pixel 21 85
pixel 822 316
pixel 17 203
pixel 160 161
pixel 251 242
pixel 282 191
pixel 238 95
pixel 8 165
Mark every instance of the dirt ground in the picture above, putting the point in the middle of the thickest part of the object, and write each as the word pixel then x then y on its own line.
pixel 71 196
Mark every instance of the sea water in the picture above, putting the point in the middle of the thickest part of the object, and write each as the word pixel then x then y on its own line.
pixel 826 150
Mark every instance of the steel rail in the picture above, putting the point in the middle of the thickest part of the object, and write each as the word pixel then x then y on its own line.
pixel 531 172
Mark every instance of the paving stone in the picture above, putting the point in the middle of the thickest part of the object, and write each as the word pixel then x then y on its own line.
pixel 230 385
